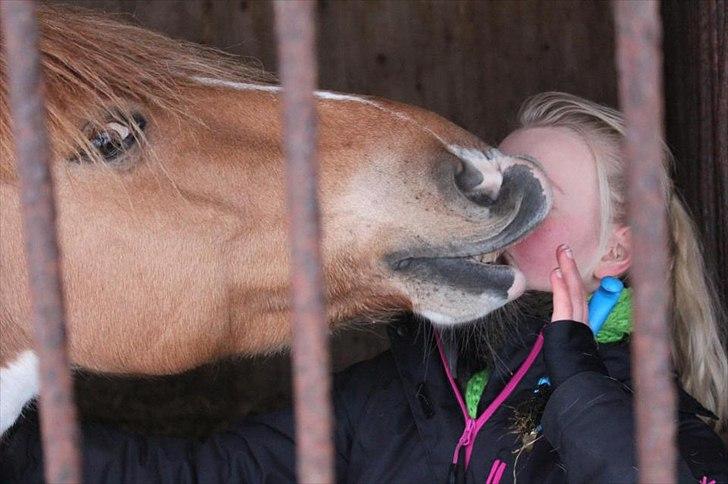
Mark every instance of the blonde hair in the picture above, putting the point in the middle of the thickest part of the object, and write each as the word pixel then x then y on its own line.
pixel 697 345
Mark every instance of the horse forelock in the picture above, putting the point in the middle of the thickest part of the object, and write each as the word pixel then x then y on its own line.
pixel 94 65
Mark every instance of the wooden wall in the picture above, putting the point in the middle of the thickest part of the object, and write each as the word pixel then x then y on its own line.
pixel 696 91
pixel 471 61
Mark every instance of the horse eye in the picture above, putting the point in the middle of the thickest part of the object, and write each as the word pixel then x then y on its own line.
pixel 115 137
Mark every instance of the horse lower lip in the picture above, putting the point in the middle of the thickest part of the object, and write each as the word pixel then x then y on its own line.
pixel 462 272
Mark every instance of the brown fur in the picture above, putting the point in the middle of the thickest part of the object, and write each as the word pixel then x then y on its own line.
pixel 177 255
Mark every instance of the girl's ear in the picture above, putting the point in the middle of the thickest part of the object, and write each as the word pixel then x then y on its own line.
pixel 617 259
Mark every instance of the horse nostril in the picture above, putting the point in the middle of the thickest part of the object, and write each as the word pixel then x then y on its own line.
pixel 481 187
pixel 467 177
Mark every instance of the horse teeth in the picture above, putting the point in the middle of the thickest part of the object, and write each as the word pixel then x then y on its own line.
pixel 482 258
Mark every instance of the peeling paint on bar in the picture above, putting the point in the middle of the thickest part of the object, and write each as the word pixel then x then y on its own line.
pixel 639 62
pixel 60 435
pixel 310 352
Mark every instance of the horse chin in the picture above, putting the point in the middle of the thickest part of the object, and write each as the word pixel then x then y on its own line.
pixel 454 290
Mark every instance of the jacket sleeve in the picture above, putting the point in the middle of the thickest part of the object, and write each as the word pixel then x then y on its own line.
pixel 255 450
pixel 589 417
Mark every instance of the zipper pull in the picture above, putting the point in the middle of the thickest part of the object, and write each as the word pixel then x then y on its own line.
pixel 467 433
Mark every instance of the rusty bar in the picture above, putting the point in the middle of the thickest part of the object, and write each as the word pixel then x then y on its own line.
pixel 311 367
pixel 639 62
pixel 60 435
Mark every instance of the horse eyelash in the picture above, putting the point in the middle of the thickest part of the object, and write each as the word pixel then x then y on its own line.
pixel 136 123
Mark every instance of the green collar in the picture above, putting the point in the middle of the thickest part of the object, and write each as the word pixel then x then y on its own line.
pixel 617 327
pixel 619 322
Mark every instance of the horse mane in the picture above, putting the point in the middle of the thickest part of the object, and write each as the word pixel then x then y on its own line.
pixel 101 66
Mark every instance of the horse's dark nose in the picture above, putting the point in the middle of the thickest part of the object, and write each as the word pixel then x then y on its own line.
pixel 479 176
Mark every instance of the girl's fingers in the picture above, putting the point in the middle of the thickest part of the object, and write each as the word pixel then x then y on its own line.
pixel 562 302
pixel 574 284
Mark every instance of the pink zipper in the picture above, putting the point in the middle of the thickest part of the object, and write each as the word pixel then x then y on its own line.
pixel 473 426
pixel 493 470
pixel 465 439
pixel 496 472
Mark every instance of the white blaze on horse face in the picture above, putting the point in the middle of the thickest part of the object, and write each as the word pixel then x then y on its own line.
pixel 18 385
pixel 323 95
pixel 245 86
pixel 240 86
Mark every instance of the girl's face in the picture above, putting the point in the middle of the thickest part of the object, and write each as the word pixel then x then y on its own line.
pixel 575 216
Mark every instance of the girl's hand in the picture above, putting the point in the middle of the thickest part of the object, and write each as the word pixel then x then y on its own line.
pixel 568 288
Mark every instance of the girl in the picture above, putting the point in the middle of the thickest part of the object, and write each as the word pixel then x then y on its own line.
pixel 526 396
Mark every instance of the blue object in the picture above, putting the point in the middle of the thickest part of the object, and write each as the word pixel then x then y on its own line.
pixel 602 302
pixel 600 305
pixel 544 380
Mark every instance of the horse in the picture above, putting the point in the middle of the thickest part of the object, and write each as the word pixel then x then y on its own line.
pixel 169 180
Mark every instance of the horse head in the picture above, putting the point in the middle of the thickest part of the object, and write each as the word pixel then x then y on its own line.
pixel 169 179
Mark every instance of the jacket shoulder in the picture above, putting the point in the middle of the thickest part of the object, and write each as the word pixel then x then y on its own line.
pixel 355 386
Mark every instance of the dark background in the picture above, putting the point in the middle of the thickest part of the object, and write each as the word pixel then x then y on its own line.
pixel 473 62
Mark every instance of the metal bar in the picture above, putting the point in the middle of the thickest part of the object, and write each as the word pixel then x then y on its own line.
pixel 639 61
pixel 311 367
pixel 60 435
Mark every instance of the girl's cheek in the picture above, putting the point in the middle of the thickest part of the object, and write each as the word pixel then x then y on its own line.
pixel 535 255
pixel 541 244
pixel 532 257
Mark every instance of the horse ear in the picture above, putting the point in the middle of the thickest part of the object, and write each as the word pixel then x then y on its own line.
pixel 617 258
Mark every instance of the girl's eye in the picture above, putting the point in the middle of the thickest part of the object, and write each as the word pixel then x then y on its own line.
pixel 115 137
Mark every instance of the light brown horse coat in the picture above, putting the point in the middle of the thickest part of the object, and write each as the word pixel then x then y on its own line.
pixel 174 246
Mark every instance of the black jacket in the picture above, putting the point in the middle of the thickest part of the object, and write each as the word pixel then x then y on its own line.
pixel 397 421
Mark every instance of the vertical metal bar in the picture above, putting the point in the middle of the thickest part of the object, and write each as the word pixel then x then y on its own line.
pixel 639 61
pixel 24 76
pixel 311 367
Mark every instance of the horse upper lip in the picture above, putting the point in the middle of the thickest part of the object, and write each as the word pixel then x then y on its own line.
pixel 524 215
